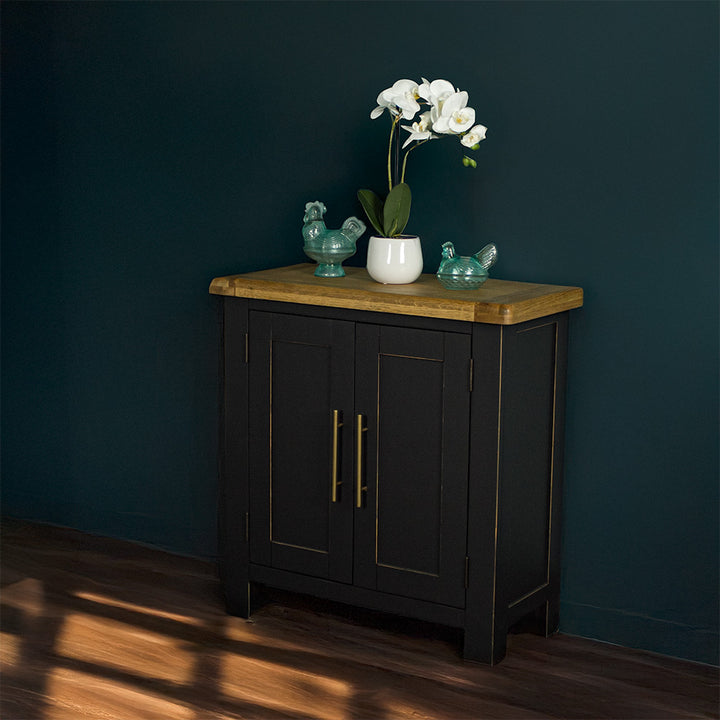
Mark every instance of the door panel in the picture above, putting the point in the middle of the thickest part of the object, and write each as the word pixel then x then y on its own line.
pixel 409 509
pixel 412 386
pixel 300 371
pixel 300 440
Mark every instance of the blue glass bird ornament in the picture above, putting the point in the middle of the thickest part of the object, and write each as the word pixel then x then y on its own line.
pixel 463 272
pixel 329 248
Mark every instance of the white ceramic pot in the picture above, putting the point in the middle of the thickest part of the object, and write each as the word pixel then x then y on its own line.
pixel 396 260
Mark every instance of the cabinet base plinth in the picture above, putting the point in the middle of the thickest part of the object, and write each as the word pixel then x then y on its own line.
pixel 358 597
pixel 481 642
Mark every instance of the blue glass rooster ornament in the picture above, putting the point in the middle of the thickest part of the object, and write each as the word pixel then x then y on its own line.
pixel 462 272
pixel 329 248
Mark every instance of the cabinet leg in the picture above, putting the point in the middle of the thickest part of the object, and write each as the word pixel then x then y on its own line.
pixel 484 644
pixel 544 620
pixel 244 599
pixel 238 600
pixel 552 624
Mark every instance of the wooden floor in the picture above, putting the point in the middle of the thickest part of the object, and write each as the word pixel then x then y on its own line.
pixel 101 629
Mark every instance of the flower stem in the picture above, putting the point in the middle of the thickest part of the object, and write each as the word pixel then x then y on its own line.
pixel 402 177
pixel 392 132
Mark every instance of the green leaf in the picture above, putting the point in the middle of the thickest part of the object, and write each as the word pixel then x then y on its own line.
pixel 373 207
pixel 396 212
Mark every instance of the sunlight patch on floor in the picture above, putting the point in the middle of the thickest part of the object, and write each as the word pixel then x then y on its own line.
pixel 77 695
pixel 27 595
pixel 9 649
pixel 283 688
pixel 240 630
pixel 113 644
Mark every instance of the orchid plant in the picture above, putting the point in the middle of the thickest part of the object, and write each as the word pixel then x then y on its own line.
pixel 448 114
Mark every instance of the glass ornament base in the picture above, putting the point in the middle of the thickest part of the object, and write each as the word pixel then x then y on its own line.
pixel 329 270
pixel 330 259
pixel 461 282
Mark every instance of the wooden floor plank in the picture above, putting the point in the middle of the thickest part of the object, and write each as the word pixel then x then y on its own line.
pixel 99 629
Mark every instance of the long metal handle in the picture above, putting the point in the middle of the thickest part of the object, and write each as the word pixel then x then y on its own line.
pixel 336 424
pixel 358 460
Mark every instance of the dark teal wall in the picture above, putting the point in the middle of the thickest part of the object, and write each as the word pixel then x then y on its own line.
pixel 148 147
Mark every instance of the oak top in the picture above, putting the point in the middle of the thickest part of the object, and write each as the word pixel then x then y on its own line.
pixel 499 302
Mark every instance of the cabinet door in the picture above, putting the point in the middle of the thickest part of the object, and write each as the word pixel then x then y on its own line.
pixel 412 393
pixel 300 371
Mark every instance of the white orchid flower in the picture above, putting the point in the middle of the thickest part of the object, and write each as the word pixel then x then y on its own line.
pixel 384 103
pixel 454 116
pixel 400 99
pixel 474 136
pixel 435 92
pixel 420 130
pixel 462 120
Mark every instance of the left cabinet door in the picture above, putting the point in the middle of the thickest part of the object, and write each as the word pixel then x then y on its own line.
pixel 300 444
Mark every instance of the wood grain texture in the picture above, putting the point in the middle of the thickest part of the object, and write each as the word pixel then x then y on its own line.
pixel 102 629
pixel 499 302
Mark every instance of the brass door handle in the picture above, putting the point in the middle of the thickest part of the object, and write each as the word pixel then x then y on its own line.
pixel 359 460
pixel 336 425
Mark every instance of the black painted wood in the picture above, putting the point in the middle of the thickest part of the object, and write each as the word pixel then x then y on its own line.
pixel 485 620
pixel 363 316
pixel 552 609
pixel 413 387
pixel 461 465
pixel 527 435
pixel 531 481
pixel 233 507
pixel 301 370
pixel 357 596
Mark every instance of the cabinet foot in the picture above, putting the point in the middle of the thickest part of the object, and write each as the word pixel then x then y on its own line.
pixel 485 648
pixel 242 600
pixel 544 620
pixel 553 617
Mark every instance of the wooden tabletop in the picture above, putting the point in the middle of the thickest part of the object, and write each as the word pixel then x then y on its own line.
pixel 499 302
